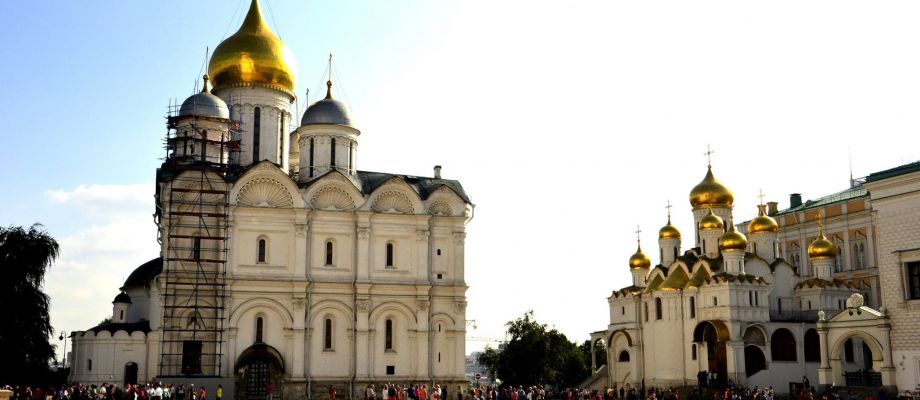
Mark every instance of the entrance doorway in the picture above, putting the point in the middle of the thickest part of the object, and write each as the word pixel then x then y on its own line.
pixel 259 369
pixel 130 373
pixel 714 334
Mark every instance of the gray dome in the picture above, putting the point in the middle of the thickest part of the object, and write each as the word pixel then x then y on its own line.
pixel 204 104
pixel 122 298
pixel 327 111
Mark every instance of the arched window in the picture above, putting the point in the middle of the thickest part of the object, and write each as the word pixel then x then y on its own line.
pixel 624 356
pixel 332 150
pixel 388 335
pixel 693 351
pixel 259 330
pixel 692 307
pixel 261 257
pixel 389 255
pixel 754 360
pixel 782 345
pixel 329 251
pixel 750 298
pixel 256 126
pixel 812 346
pixel 658 308
pixel 327 334
pixel 311 157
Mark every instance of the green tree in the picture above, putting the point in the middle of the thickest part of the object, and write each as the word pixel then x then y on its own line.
pixel 535 354
pixel 25 349
pixel 600 353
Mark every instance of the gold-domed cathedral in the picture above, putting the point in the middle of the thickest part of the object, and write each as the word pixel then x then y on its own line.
pixel 727 308
pixel 284 269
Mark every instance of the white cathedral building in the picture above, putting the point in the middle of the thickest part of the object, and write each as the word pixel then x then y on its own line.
pixel 281 262
pixel 732 305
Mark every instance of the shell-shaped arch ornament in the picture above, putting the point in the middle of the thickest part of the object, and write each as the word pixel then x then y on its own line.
pixel 393 202
pixel 265 192
pixel 440 207
pixel 332 198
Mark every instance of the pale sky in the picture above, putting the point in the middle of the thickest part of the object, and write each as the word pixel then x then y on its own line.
pixel 568 123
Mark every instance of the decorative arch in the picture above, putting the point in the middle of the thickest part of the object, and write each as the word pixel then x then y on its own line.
pixel 392 202
pixel 443 317
pixel 721 331
pixel 754 360
pixel 392 307
pixel 874 346
pixel 620 333
pixel 782 345
pixel 440 208
pixel 755 335
pixel 264 304
pixel 264 192
pixel 332 198
pixel 444 201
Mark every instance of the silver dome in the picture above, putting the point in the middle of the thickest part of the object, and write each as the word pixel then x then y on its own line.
pixel 327 111
pixel 204 104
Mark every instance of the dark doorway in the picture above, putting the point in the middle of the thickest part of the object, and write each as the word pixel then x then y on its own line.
pixel 867 356
pixel 258 367
pixel 714 334
pixel 754 360
pixel 131 373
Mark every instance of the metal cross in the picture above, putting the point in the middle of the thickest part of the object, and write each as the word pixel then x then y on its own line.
pixel 669 209
pixel 761 196
pixel 638 231
pixel 708 155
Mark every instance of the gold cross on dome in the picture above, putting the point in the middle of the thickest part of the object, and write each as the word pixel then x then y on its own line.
pixel 708 155
pixel 669 208
pixel 638 231
pixel 761 196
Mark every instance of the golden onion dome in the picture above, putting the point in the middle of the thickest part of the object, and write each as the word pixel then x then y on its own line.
pixel 711 221
pixel 711 193
pixel 763 222
pixel 668 231
pixel 733 240
pixel 639 260
pixel 253 56
pixel 822 247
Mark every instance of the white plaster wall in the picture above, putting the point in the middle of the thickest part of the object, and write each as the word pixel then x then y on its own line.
pixel 109 355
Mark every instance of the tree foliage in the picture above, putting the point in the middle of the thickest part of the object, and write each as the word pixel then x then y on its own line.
pixel 25 349
pixel 600 353
pixel 535 355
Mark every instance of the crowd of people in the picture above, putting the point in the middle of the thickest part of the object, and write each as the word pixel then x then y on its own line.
pixel 107 391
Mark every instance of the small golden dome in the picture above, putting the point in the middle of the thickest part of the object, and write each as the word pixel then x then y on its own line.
pixel 668 231
pixel 639 260
pixel 710 193
pixel 732 240
pixel 763 222
pixel 253 56
pixel 822 247
pixel 711 221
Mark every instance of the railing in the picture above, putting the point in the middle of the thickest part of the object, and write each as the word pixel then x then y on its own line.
pixel 863 378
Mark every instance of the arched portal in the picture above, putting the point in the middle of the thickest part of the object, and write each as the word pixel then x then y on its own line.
pixel 257 367
pixel 131 373
pixel 754 360
pixel 864 373
pixel 712 336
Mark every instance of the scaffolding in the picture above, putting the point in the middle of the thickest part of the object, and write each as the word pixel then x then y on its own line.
pixel 193 196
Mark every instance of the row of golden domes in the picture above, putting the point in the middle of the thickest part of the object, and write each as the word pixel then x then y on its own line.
pixel 253 56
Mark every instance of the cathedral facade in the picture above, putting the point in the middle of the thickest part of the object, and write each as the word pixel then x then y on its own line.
pixel 733 305
pixel 282 264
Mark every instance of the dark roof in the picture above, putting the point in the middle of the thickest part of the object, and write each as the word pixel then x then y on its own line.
pixel 893 172
pixel 130 327
pixel 424 186
pixel 122 298
pixel 144 273
pixel 844 195
pixel 631 289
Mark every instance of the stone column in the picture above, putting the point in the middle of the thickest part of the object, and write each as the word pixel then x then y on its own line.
pixel 888 369
pixel 363 339
pixel 594 358
pixel 424 356
pixel 825 374
pixel 299 337
pixel 735 357
pixel 362 264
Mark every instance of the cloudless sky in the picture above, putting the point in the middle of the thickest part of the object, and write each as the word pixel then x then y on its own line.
pixel 568 123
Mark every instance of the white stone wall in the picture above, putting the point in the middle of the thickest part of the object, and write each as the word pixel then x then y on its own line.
pixel 102 357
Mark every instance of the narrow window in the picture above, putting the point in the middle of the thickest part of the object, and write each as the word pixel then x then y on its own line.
pixel 196 248
pixel 439 327
pixel 645 311
pixel 329 248
pixel 622 310
pixel 658 308
pixel 913 280
pixel 261 250
pixel 439 356
pixel 692 307
pixel 693 351
pixel 439 251
pixel 388 335
pixel 327 334
pixel 756 299
pixel 121 315
pixel 675 253
pixel 779 305
pixel 311 157
pixel 259 330
pixel 89 364
pixel 256 126
pixel 332 150
pixel 389 255
pixel 809 304
pixel 750 298
pixel 715 301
